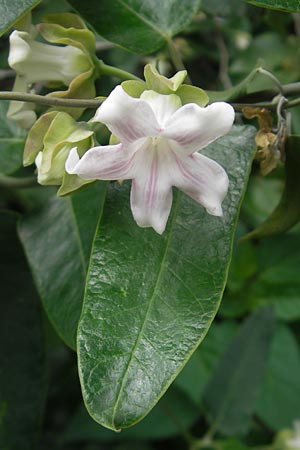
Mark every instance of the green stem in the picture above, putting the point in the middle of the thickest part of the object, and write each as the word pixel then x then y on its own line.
pixel 13 182
pixel 51 101
pixel 112 71
pixel 177 60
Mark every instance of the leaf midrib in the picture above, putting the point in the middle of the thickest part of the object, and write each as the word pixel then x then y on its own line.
pixel 156 285
pixel 143 19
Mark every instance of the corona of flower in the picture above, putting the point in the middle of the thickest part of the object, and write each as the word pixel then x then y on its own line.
pixel 159 140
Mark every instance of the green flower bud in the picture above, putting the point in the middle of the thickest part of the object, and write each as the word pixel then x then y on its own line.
pixel 49 143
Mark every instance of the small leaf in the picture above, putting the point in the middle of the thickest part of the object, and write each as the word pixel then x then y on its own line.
pixel 13 10
pixel 231 395
pixel 149 298
pixel 278 403
pixel 22 363
pixel 287 213
pixel 57 240
pixel 139 26
pixel 281 5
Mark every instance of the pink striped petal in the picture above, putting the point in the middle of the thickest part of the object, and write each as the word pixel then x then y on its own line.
pixel 126 117
pixel 202 179
pixel 111 162
pixel 151 192
pixel 193 128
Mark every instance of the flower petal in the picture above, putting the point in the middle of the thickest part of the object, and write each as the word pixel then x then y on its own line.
pixel 193 127
pixel 151 192
pixel 202 179
pixel 126 117
pixel 111 162
pixel 163 106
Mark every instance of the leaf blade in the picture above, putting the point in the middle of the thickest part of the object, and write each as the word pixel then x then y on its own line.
pixel 13 10
pixel 141 27
pixel 137 314
pixel 57 245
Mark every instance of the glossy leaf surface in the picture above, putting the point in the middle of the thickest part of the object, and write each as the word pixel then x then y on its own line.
pixel 162 422
pixel 231 395
pixel 139 26
pixel 22 363
pixel 150 299
pixel 282 5
pixel 57 240
pixel 13 10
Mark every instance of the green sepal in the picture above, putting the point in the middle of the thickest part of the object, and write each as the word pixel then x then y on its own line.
pixel 69 29
pixel 113 140
pixel 287 212
pixel 134 88
pixel 71 183
pixel 192 94
pixel 34 142
pixel 161 84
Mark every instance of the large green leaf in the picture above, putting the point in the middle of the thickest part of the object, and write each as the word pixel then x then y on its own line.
pixel 174 413
pixel 13 10
pixel 149 298
pixel 231 394
pixel 282 5
pixel 57 240
pixel 12 142
pixel 141 26
pixel 278 402
pixel 22 362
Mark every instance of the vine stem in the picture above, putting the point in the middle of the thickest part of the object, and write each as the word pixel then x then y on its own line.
pixel 176 59
pixel 106 69
pixel 13 182
pixel 51 101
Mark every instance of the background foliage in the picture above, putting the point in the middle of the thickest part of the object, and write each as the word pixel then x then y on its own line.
pixel 240 388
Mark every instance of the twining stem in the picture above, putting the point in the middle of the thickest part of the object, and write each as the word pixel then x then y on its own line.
pixel 176 59
pixel 51 101
pixel 105 69
pixel 12 182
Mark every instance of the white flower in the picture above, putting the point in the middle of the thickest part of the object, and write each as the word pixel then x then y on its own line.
pixel 159 140
pixel 36 61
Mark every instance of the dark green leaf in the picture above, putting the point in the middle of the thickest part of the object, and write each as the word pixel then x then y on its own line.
pixel 11 142
pixel 150 299
pixel 137 25
pixel 282 5
pixel 22 364
pixel 57 241
pixel 173 414
pixel 196 374
pixel 231 395
pixel 278 403
pixel 13 10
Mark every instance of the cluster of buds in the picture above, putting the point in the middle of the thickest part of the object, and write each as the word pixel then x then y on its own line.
pixel 65 58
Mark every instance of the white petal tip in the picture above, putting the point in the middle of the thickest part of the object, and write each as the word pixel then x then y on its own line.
pixel 72 161
pixel 216 211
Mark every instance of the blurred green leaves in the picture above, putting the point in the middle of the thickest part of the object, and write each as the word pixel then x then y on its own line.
pixel 230 397
pixel 282 5
pixel 138 26
pixel 12 140
pixel 22 363
pixel 57 239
